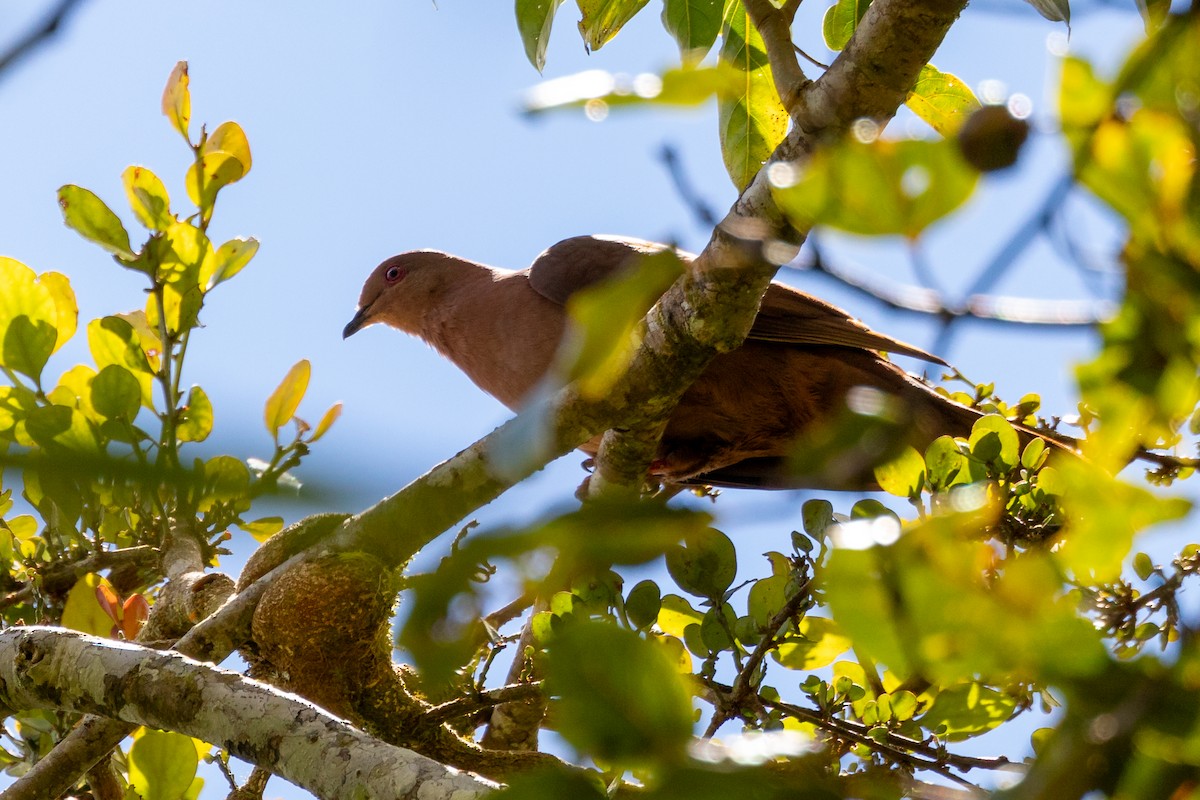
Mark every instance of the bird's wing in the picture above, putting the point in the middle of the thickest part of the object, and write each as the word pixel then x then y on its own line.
pixel 789 316
pixel 578 262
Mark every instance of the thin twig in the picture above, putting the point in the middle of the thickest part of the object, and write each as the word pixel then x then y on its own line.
pixel 60 573
pixel 468 706
pixel 38 35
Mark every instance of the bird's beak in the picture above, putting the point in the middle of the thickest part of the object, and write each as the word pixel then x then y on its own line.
pixel 360 321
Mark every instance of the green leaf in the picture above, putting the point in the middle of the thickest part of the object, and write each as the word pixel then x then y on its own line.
pixel 229 260
pixel 230 138
pixel 620 698
pixel 942 100
pixel 1053 10
pixel 643 603
pixel 1034 454
pixel 817 515
pixel 326 422
pixel 676 614
pixel 993 441
pixel 148 198
pixel 1154 13
pixel 694 24
pixel 93 220
pixel 904 475
pixel 177 100
pixel 195 420
pixel 607 319
pixel 767 597
pixel 113 340
pixel 970 709
pixel 705 565
pixel 116 393
pixel 943 462
pixel 752 120
pixel 603 19
pixel 83 611
pixel 226 480
pixel 883 187
pixel 534 19
pixel 66 317
pixel 208 175
pixel 283 402
pixel 62 427
pixel 262 529
pixel 162 765
pixel 819 643
pixel 1143 566
pixel 27 345
pixel 840 21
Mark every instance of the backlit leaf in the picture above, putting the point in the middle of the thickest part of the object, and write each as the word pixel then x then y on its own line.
pixel 752 121
pixel 840 21
pixel 904 475
pixel 230 138
pixel 148 198
pixel 326 422
pixel 162 765
pixel 283 402
pixel 603 19
pixel 177 100
pixel 93 220
pixel 83 611
pixel 878 188
pixel 942 100
pixel 196 418
pixel 116 392
pixel 619 697
pixel 534 20
pixel 705 565
pixel 694 24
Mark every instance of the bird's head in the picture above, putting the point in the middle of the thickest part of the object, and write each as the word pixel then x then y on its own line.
pixel 401 289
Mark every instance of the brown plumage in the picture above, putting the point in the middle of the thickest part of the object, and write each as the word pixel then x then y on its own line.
pixel 786 388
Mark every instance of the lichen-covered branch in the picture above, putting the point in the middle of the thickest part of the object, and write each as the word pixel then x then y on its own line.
pixel 55 668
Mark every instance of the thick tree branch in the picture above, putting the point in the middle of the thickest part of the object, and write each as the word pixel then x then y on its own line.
pixel 54 668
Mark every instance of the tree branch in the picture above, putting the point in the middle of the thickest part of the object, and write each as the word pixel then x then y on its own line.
pixel 775 27
pixel 39 35
pixel 60 577
pixel 59 669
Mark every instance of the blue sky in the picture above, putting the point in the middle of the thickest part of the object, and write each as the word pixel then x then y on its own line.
pixel 378 127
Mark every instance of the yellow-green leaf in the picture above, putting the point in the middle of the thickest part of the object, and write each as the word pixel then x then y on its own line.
pixel 283 402
pixel 603 19
pixel 904 475
pixel 942 100
pixel 229 260
pixel 116 393
pixel 534 19
pixel 66 317
pixel 211 172
pixel 28 314
pixel 819 643
pixel 694 24
pixel 83 611
pixel 230 138
pixel 263 529
pixel 148 198
pixel 177 100
pixel 162 765
pixel 752 120
pixel 93 220
pixel 113 340
pixel 327 420
pixel 841 19
pixel 607 321
pixel 196 418
pixel 884 187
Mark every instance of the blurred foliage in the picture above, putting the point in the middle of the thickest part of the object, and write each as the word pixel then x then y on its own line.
pixel 100 453
pixel 851 660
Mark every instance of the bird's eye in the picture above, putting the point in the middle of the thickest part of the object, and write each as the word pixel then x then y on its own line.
pixel 394 274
